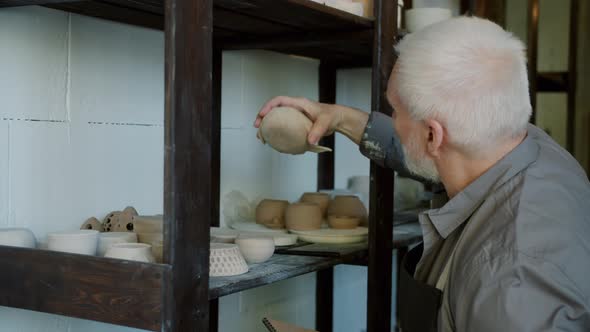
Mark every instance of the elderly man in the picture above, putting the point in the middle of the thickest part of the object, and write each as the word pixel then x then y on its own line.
pixel 510 250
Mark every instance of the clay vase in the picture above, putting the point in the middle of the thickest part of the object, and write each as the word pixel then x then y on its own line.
pixel 286 129
pixel 303 216
pixel 92 223
pixel 271 213
pixel 348 206
pixel 338 222
pixel 321 199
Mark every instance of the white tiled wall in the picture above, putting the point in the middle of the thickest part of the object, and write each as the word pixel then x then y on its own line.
pixel 81 133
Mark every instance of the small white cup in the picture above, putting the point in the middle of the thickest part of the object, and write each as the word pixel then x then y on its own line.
pixel 106 240
pixel 140 252
pixel 256 248
pixel 17 237
pixel 82 242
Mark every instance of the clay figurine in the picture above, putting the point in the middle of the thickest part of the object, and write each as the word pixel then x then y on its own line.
pixel 92 223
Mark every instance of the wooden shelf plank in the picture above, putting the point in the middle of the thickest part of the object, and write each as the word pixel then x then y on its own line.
pixel 107 290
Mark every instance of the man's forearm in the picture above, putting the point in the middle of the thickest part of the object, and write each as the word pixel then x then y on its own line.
pixel 352 122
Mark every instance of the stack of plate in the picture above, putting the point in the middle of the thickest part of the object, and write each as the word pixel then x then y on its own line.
pixel 329 235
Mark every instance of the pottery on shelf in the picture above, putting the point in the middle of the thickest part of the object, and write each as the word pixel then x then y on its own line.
pixel 271 213
pixel 82 242
pixel 140 252
pixel 17 237
pixel 92 223
pixel 147 224
pixel 336 236
pixel 149 238
pixel 131 211
pixel 343 222
pixel 110 220
pixel 284 239
pixel 286 129
pixel 303 216
pixel 226 260
pixel 256 248
pixel 124 222
pixel 321 199
pixel 348 206
pixel 223 235
pixel 106 240
pixel 158 251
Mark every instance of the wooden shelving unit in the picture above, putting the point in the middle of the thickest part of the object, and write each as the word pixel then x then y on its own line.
pixel 179 295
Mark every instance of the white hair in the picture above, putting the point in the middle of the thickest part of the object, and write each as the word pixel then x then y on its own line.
pixel 469 74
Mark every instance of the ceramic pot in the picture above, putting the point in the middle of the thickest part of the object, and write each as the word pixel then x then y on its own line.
pixel 17 237
pixel 106 240
pixel 158 251
pixel 343 222
pixel 271 213
pixel 140 252
pixel 82 242
pixel 348 206
pixel 92 223
pixel 303 216
pixel 321 199
pixel 256 248
pixel 110 220
pixel 148 224
pixel 149 238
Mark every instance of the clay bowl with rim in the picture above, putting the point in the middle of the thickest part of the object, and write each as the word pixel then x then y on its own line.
pixel 348 206
pixel 343 222
pixel 321 199
pixel 271 213
pixel 256 248
pixel 303 216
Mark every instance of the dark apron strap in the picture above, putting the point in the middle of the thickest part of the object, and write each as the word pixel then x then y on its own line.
pixel 418 303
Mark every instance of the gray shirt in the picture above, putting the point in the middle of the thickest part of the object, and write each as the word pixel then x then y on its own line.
pixel 522 238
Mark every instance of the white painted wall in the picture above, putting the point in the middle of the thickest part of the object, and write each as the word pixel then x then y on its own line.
pixel 81 133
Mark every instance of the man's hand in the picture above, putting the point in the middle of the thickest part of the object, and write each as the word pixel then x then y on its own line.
pixel 326 118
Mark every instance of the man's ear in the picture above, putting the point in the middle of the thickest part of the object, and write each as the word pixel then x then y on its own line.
pixel 435 137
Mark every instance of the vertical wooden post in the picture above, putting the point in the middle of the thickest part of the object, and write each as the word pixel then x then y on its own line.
pixel 572 77
pixel 379 295
pixel 188 167
pixel 532 45
pixel 325 278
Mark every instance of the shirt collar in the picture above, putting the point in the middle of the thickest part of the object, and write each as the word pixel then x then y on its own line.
pixel 457 210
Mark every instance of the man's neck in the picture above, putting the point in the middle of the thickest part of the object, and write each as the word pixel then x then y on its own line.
pixel 457 170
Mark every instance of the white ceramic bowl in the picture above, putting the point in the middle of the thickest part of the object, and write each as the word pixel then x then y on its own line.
pixel 140 252
pixel 76 242
pixel 17 237
pixel 256 248
pixel 106 240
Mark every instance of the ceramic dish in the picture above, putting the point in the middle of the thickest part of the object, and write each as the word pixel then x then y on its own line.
pixel 17 237
pixel 223 235
pixel 77 242
pixel 342 236
pixel 256 248
pixel 253 227
pixel 106 240
pixel 140 252
pixel 226 260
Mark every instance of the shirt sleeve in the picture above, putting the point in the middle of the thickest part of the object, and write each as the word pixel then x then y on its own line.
pixel 529 295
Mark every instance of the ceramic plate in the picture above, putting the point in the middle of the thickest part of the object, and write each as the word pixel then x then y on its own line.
pixel 254 227
pixel 358 234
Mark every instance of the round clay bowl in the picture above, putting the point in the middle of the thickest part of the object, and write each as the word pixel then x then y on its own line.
pixel 321 199
pixel 271 213
pixel 82 242
pixel 107 239
pixel 338 222
pixel 348 206
pixel 256 248
pixel 140 252
pixel 303 216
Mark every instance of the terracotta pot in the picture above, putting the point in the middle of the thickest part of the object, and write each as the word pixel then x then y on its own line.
pixel 348 206
pixel 271 213
pixel 343 222
pixel 321 199
pixel 303 216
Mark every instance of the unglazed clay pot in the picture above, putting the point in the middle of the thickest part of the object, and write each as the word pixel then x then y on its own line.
pixel 140 252
pixel 286 129
pixel 348 206
pixel 303 216
pixel 321 199
pixel 92 223
pixel 338 222
pixel 271 213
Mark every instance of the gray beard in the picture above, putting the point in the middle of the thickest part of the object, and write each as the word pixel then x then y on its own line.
pixel 422 166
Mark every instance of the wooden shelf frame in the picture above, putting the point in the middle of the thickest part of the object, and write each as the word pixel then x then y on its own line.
pixel 179 295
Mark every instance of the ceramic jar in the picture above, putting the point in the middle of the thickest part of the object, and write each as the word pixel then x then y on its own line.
pixel 348 206
pixel 303 216
pixel 106 240
pixel 17 237
pixel 140 252
pixel 82 242
pixel 343 222
pixel 271 213
pixel 321 199
pixel 256 248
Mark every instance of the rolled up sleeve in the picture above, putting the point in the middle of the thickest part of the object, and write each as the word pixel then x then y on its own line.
pixel 528 295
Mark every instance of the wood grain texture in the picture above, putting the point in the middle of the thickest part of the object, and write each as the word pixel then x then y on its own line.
pixel 188 169
pixel 572 76
pixel 107 290
pixel 379 294
pixel 327 94
pixel 532 48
